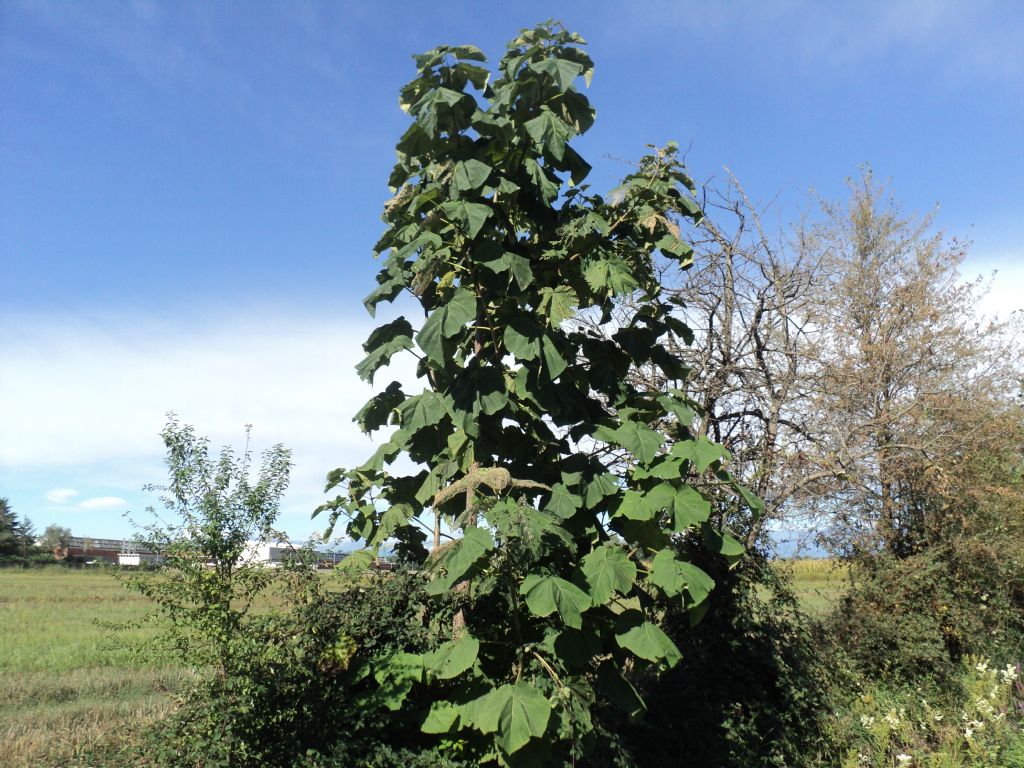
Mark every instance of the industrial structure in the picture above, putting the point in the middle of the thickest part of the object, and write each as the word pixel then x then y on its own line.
pixel 120 551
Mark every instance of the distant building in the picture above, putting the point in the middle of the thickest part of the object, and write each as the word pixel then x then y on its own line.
pixel 138 558
pixel 120 551
pixel 270 553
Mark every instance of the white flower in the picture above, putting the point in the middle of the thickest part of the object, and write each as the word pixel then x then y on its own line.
pixel 982 666
pixel 972 727
pixel 867 721
pixel 938 717
pixel 1009 674
pixel 892 719
pixel 903 759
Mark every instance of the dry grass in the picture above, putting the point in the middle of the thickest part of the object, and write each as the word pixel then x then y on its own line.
pixel 818 583
pixel 69 687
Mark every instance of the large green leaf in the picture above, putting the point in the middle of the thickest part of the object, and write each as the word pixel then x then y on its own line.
pixel 392 519
pixel 453 658
pixel 547 130
pixel 639 439
pixel 608 570
pixel 553 360
pixel 563 502
pixel 721 542
pixel 387 452
pixel 561 71
pixel 465 554
pixel 648 641
pixel 672 576
pixel 520 268
pixel 698 583
pixel 619 691
pixel 422 410
pixel 610 277
pixel 515 714
pixel 446 321
pixel 601 486
pixel 579 168
pixel 701 453
pixel 634 506
pixel 678 407
pixel 383 343
pixel 557 304
pixel 470 174
pixel 542 180
pixel 470 217
pixel 521 340
pixel 755 502
pixel 665 573
pixel 667 468
pixel 395 677
pixel 660 497
pixel 441 718
pixel 689 508
pixel 527 340
pixel 547 594
pixel 378 409
pixel 517 266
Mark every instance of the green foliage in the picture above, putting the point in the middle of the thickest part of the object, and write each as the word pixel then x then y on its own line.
pixel 912 620
pixel 537 451
pixel 17 539
pixel 54 536
pixel 302 692
pixel 214 510
pixel 752 689
pixel 204 594
pixel 976 722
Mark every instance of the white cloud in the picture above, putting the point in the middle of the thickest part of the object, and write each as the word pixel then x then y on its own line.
pixel 1003 279
pixel 103 502
pixel 60 495
pixel 85 399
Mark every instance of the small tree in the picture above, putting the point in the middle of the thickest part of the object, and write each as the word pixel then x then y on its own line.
pixel 214 509
pixel 54 536
pixel 562 557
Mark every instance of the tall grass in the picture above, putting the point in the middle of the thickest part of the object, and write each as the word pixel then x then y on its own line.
pixel 68 686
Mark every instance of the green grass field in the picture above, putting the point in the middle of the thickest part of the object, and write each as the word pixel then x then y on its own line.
pixel 69 688
pixel 817 584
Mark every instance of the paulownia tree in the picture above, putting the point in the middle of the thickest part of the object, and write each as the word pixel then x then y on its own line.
pixel 561 564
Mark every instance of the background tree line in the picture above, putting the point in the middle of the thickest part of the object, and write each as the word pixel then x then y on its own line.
pixel 847 367
pixel 20 545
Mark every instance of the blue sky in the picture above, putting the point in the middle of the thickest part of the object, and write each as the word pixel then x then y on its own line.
pixel 190 191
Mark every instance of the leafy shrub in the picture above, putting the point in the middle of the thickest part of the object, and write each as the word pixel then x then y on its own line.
pixel 912 620
pixel 752 688
pixel 295 697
